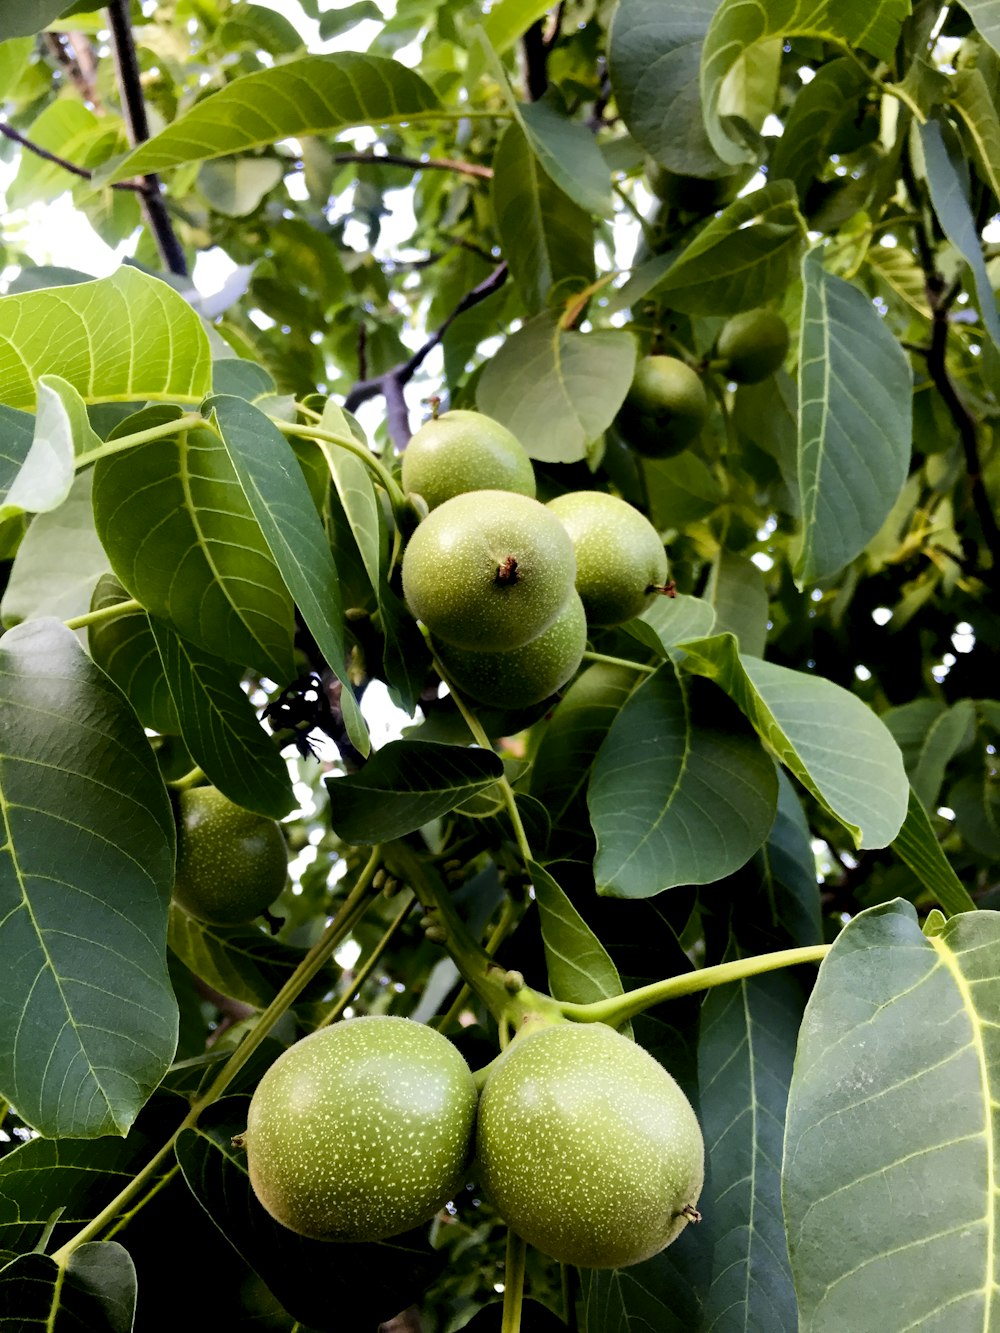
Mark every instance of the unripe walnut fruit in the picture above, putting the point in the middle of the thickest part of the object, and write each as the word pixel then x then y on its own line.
pixel 231 862
pixel 361 1130
pixel 488 570
pixel 620 561
pixel 752 346
pixel 665 408
pixel 588 1148
pixel 465 451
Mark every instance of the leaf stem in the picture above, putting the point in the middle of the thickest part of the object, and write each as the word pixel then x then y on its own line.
pixel 588 656
pixel 617 1008
pixel 492 944
pixel 112 612
pixel 185 421
pixel 192 778
pixel 348 442
pixel 513 1283
pixel 317 957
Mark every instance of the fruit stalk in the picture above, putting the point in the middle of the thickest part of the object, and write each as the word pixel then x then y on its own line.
pixel 324 438
pixel 105 613
pixel 369 966
pixel 174 427
pixel 513 1283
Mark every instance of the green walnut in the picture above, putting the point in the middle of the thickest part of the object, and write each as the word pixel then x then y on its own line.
pixel 361 1130
pixel 752 346
pixel 692 194
pixel 488 570
pixel 588 1148
pixel 621 565
pixel 525 675
pixel 665 408
pixel 465 451
pixel 231 862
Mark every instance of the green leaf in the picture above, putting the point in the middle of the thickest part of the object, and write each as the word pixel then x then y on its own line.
pixel 899 270
pixel 220 728
pixel 566 150
pixel 972 100
pixel 977 813
pixel 917 845
pixel 985 14
pixel 318 94
pixel 947 735
pixel 19 20
pixel 671 620
pixel 682 490
pixel 14 53
pixel 815 114
pixel 508 19
pixel 17 431
pixel 870 25
pixel 405 785
pixel 579 967
pixel 681 793
pixel 891 1124
pixel 235 188
pixel 183 539
pixel 246 964
pixel 307 1277
pixel 71 131
pixel 84 885
pixel 62 431
pixel 557 391
pixel 835 745
pixel 571 739
pixel 736 590
pixel 740 257
pixel 547 239
pixel 957 223
pixel 58 562
pixel 278 494
pixel 125 650
pixel 354 485
pixel 855 422
pixel 639 1299
pixel 120 339
pixel 95 1291
pixel 654 54
pixel 788 868
pixel 747 1041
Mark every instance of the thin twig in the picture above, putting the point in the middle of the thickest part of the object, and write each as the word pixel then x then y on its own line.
pixel 9 132
pixel 134 110
pixel 391 384
pixel 418 163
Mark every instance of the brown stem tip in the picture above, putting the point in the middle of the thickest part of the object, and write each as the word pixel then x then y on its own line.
pixel 668 589
pixel 507 570
pixel 691 1212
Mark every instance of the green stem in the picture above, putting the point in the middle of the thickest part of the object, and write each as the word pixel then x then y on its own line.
pixel 482 740
pixel 185 422
pixel 126 1218
pixel 370 963
pixel 355 447
pixel 513 1283
pixel 617 1008
pixel 105 613
pixel 588 656
pixel 719 391
pixel 314 961
pixel 194 778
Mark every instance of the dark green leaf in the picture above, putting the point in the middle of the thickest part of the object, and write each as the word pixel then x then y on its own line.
pixel 918 846
pixel 682 490
pixel 748 1034
pixel 547 239
pixel 579 967
pixel 890 1176
pixel 671 620
pixel 16 433
pixel 740 257
pixel 278 494
pixel 85 882
pixel 736 590
pixel 124 648
pixel 836 746
pixel 94 1293
pixel 220 728
pixel 681 793
pixel 191 549
pixel 816 111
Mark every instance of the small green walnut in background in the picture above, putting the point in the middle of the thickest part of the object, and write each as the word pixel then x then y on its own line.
pixel 752 345
pixel 231 862
pixel 665 408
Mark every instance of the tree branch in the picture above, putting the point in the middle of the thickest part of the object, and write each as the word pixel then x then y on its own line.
pixel 417 163
pixel 9 132
pixel 392 382
pixel 134 110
